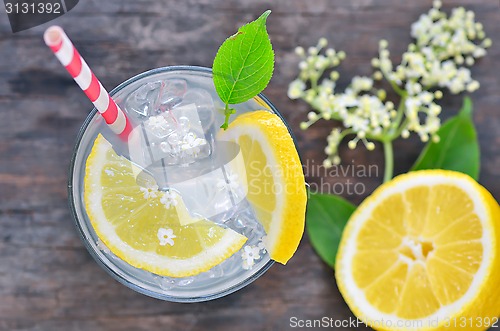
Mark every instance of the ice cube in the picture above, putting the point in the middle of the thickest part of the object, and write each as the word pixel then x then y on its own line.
pixel 179 134
pixel 177 123
pixel 175 137
pixel 168 102
pixel 171 94
pixel 156 97
pixel 141 101
pixel 176 87
pixel 204 105
pixel 211 187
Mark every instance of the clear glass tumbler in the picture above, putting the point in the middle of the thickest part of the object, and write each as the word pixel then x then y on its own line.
pixel 222 279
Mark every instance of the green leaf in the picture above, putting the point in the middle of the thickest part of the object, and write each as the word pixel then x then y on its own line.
pixel 326 218
pixel 457 149
pixel 244 64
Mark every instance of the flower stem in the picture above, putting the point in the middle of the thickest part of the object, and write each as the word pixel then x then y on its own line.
pixel 389 160
pixel 396 88
pixel 399 117
pixel 403 126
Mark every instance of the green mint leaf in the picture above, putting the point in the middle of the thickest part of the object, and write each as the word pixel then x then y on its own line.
pixel 457 149
pixel 244 64
pixel 326 218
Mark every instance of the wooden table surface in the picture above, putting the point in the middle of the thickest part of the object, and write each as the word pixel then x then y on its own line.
pixel 48 281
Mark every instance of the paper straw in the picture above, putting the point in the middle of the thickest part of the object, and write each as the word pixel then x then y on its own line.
pixel 69 57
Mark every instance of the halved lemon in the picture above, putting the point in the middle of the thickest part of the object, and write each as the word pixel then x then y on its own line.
pixel 274 179
pixel 423 253
pixel 148 228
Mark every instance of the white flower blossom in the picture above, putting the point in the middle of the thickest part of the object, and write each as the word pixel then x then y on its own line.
pixel 149 191
pixel 249 255
pixel 361 84
pixel 413 88
pixel 296 89
pixel 157 122
pixel 169 199
pixel 191 144
pixel 472 86
pixel 166 236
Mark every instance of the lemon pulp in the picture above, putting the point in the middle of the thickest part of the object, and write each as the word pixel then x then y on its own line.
pixel 148 228
pixel 424 246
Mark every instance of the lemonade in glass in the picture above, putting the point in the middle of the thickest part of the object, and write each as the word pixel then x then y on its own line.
pixel 184 210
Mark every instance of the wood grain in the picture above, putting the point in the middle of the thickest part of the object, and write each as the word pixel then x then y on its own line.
pixel 47 279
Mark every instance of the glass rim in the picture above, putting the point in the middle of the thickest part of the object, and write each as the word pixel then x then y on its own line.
pixel 72 205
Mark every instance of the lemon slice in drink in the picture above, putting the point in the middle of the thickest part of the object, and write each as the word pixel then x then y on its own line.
pixel 148 228
pixel 424 252
pixel 274 179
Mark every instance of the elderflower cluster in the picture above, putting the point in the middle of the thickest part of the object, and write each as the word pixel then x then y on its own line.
pixel 444 47
pixel 360 108
pixel 438 59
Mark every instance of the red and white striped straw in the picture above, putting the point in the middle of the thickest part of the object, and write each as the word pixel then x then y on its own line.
pixel 69 57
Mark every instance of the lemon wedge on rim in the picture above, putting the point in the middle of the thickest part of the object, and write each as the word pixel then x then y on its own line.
pixel 274 179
